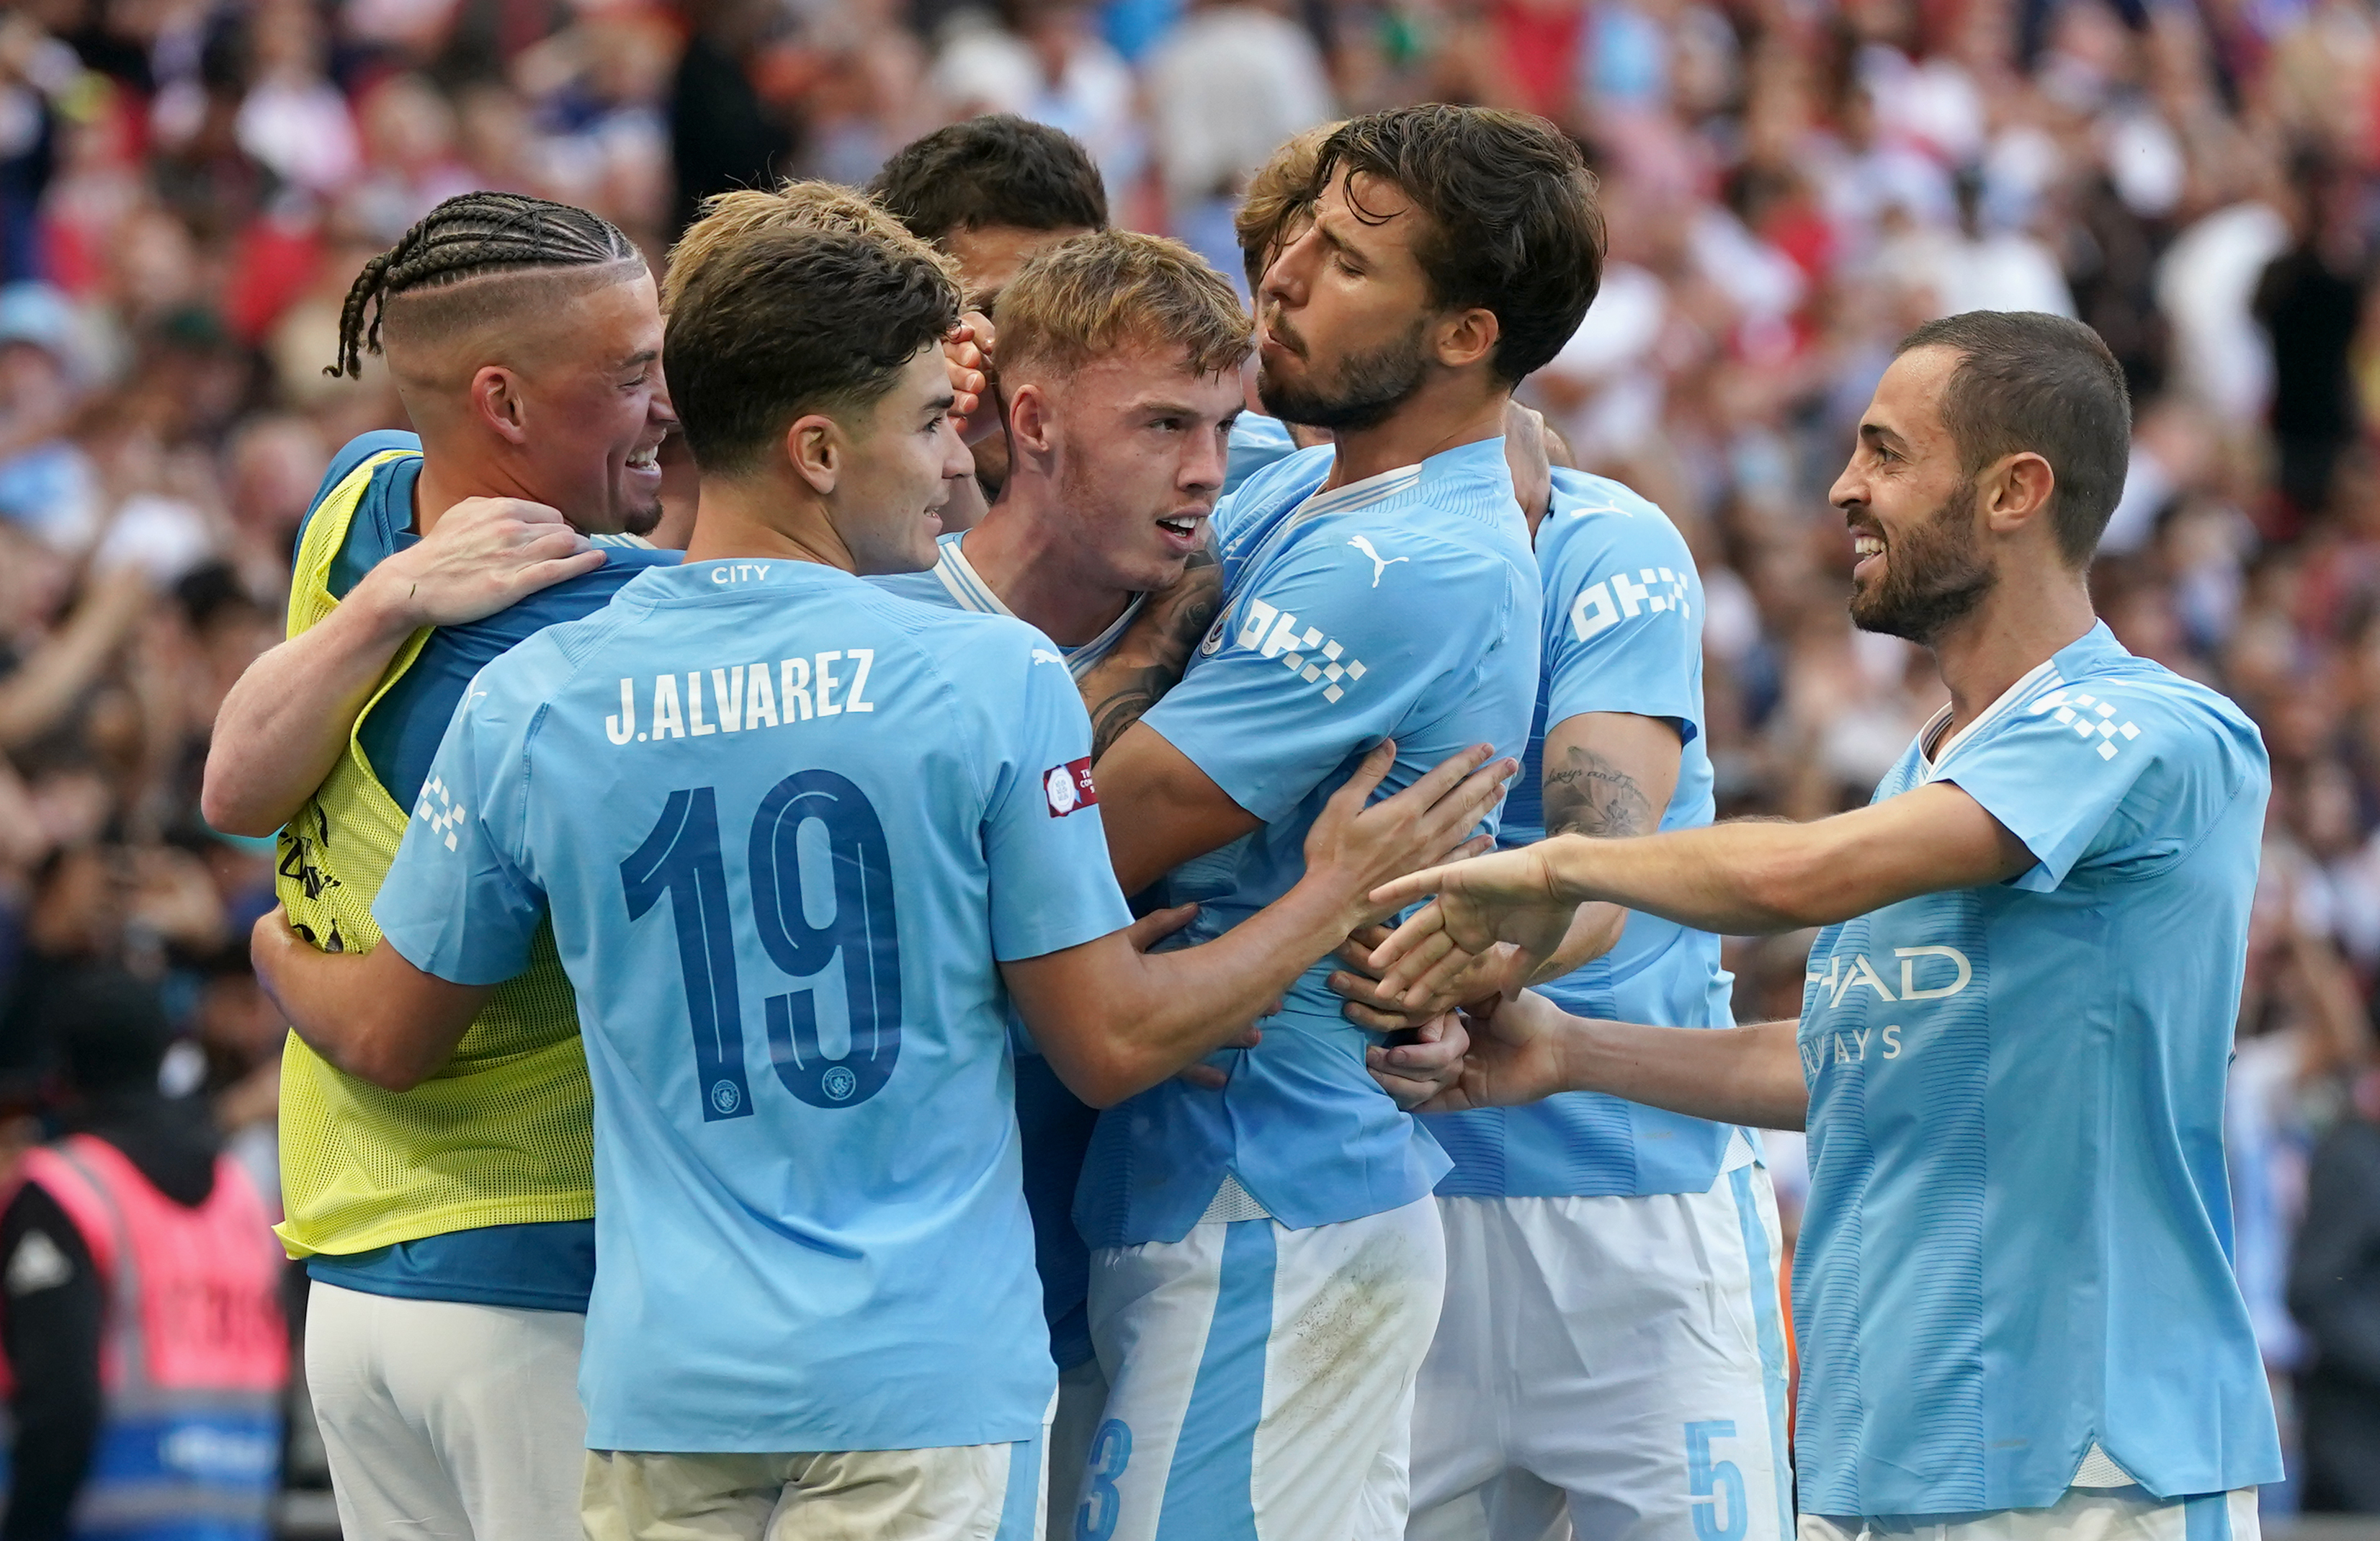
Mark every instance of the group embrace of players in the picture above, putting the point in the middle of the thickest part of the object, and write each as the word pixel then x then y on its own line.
pixel 732 1096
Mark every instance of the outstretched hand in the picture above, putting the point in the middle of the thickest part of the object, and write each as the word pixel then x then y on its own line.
pixel 1365 843
pixel 1508 896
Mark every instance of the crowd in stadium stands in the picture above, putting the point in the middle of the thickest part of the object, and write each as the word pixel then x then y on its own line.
pixel 188 187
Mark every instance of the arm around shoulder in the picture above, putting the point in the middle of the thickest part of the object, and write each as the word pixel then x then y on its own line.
pixel 371 1014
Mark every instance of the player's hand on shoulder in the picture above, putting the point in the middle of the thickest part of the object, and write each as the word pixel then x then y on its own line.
pixel 483 555
pixel 1515 1055
pixel 1425 823
pixel 1528 457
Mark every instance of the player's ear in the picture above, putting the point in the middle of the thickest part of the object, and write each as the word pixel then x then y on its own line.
pixel 1029 422
pixel 2017 491
pixel 1466 337
pixel 497 401
pixel 815 446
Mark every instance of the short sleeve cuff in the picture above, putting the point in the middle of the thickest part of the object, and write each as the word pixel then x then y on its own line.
pixel 432 949
pixel 1221 751
pixel 2050 863
pixel 1090 917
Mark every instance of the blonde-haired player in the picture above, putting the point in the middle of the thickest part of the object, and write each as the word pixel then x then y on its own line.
pixel 1119 355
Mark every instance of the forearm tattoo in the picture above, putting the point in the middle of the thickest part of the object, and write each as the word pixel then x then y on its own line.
pixel 1149 658
pixel 1592 796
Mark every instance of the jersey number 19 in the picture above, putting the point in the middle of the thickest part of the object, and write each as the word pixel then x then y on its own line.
pixel 681 858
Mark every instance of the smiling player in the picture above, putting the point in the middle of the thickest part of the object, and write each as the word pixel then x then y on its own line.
pixel 446 1228
pixel 2019 1317
pixel 873 816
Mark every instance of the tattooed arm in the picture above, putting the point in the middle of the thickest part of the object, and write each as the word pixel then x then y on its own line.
pixel 1153 652
pixel 1607 774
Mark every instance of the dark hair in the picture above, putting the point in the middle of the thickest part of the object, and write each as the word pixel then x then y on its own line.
pixel 791 322
pixel 474 234
pixel 995 170
pixel 1511 221
pixel 1278 196
pixel 2029 381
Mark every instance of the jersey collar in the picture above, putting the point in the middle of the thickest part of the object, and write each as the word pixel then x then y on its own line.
pixel 728 575
pixel 2076 658
pixel 970 591
pixel 1356 494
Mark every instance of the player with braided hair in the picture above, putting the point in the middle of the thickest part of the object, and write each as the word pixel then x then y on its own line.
pixel 478 235
pixel 448 1231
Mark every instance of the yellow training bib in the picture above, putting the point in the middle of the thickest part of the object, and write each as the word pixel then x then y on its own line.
pixel 504 1135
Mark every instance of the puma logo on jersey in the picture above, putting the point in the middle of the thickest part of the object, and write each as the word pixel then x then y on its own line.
pixel 1380 564
pixel 1043 655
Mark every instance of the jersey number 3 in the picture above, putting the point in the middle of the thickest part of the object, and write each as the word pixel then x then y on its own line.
pixel 681 858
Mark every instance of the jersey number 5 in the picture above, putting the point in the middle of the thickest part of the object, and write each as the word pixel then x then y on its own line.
pixel 681 858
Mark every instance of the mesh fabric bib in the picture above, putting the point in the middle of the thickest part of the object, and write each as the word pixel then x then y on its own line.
pixel 501 1135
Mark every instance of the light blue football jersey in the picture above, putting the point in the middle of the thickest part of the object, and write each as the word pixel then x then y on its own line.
pixel 1256 441
pixel 1055 1124
pixel 1622 631
pixel 784 823
pixel 2018 1236
pixel 954 583
pixel 1404 606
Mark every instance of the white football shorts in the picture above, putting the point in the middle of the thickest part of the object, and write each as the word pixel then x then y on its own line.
pixel 1262 1379
pixel 1613 1368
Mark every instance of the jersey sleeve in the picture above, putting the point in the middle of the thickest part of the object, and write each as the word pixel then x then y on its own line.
pixel 1628 636
pixel 458 902
pixel 353 565
pixel 2101 775
pixel 1323 658
pixel 1053 885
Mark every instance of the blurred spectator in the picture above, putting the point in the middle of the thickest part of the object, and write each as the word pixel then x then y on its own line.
pixel 2335 1289
pixel 1227 86
pixel 142 1286
pixel 2310 301
pixel 721 134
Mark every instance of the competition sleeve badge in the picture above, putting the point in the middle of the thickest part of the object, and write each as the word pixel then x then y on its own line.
pixel 1069 787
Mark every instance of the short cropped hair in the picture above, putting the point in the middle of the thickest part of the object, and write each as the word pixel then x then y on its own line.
pixel 1511 222
pixel 731 217
pixel 999 169
pixel 2029 381
pixel 1085 298
pixel 786 322
pixel 1278 196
